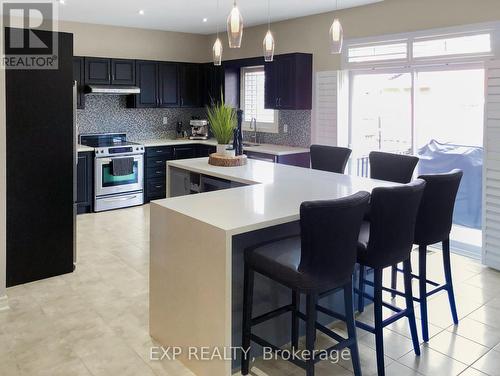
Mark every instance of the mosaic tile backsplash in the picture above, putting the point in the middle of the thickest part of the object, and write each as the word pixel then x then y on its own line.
pixel 104 113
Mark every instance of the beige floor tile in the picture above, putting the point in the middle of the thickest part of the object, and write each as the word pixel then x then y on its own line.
pixel 395 344
pixel 487 315
pixel 489 363
pixel 472 372
pixel 368 358
pixel 432 363
pixel 476 331
pixel 397 369
pixel 457 347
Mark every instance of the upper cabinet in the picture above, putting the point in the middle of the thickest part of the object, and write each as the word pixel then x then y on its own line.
pixel 78 76
pixel 147 80
pixel 97 71
pixel 190 85
pixel 168 84
pixel 213 83
pixel 102 71
pixel 122 72
pixel 288 84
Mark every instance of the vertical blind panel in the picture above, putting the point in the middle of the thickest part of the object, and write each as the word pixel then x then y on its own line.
pixel 491 194
pixel 325 124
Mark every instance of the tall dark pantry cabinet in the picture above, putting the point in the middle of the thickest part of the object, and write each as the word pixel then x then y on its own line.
pixel 40 170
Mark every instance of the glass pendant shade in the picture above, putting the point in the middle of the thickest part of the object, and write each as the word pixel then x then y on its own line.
pixel 268 46
pixel 336 37
pixel 234 28
pixel 217 52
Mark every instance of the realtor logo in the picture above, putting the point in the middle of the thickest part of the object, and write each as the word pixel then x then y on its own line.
pixel 30 38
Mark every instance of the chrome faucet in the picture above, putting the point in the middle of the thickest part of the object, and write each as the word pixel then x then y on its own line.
pixel 253 126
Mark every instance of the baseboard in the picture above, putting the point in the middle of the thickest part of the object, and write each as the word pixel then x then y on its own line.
pixel 4 303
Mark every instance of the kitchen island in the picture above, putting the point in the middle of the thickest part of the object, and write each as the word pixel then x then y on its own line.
pixel 197 244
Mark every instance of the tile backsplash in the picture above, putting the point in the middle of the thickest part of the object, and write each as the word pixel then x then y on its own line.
pixel 108 113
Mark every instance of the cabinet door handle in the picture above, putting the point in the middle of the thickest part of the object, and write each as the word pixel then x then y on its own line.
pixel 182 101
pixel 277 101
pixel 158 186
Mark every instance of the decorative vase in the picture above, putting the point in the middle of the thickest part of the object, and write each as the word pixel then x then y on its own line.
pixel 223 150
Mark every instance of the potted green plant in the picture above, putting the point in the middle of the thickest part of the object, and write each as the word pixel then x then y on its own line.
pixel 222 118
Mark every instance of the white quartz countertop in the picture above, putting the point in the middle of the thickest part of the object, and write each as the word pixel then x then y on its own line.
pixel 261 148
pixel 273 198
pixel 82 148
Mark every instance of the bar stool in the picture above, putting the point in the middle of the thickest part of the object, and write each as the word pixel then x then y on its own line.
pixel 321 258
pixel 384 241
pixel 329 158
pixel 434 221
pixel 397 168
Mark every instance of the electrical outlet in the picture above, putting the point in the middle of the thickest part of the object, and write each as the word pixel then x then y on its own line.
pixel 165 120
pixel 285 128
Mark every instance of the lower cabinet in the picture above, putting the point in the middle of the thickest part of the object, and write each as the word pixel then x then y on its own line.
pixel 155 166
pixel 85 182
pixel 299 159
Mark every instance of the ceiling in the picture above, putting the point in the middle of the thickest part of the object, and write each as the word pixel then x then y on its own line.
pixel 188 15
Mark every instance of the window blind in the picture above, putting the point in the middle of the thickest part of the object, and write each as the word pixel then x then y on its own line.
pixel 491 175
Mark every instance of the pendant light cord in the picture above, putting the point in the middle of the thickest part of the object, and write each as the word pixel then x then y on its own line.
pixel 269 15
pixel 217 22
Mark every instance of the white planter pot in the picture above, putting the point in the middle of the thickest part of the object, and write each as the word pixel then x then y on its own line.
pixel 223 150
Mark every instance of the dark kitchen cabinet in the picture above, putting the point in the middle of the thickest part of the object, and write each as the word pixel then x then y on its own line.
pixel 97 71
pixel 185 151
pixel 156 161
pixel 204 150
pixel 39 137
pixel 168 84
pixel 84 182
pixel 190 85
pixel 213 83
pixel 298 159
pixel 122 72
pixel 78 76
pixel 288 84
pixel 147 81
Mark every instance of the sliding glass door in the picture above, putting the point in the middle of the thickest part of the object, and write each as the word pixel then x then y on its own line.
pixel 434 113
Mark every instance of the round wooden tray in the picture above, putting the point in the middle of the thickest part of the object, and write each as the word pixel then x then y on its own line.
pixel 227 161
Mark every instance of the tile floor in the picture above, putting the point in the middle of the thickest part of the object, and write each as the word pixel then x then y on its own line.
pixel 95 320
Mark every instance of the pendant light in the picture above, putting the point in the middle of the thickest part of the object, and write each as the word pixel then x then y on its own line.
pixel 268 43
pixel 217 48
pixel 234 27
pixel 336 34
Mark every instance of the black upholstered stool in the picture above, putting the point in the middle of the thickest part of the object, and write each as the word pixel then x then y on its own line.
pixel 385 241
pixel 397 168
pixel 322 258
pixel 434 221
pixel 329 158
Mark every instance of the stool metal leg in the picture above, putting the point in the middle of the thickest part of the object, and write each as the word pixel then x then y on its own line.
pixel 379 329
pixel 394 279
pixel 247 318
pixel 449 280
pixel 312 300
pixel 361 288
pixel 409 306
pixel 351 328
pixel 295 319
pixel 422 271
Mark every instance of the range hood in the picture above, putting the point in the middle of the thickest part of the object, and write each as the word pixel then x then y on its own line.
pixel 112 89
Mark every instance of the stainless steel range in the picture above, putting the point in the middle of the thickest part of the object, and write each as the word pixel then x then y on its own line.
pixel 118 170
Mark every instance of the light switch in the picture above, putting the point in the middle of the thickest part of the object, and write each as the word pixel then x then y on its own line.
pixel 165 120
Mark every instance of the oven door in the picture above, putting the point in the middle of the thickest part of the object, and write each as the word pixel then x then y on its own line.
pixel 108 184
